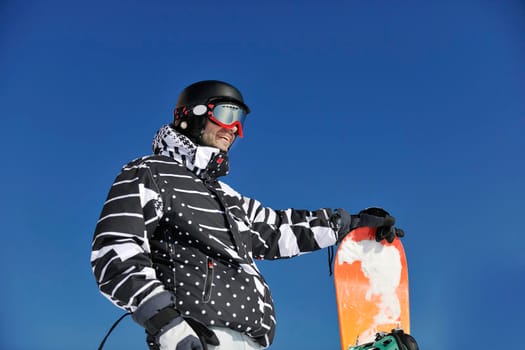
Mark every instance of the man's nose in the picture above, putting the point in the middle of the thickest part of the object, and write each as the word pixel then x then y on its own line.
pixel 233 130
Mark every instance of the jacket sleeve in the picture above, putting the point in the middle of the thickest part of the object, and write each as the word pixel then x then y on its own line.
pixel 287 233
pixel 120 250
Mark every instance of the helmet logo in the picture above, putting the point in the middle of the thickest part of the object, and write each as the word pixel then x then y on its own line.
pixel 199 110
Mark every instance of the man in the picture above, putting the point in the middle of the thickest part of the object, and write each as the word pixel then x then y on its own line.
pixel 176 247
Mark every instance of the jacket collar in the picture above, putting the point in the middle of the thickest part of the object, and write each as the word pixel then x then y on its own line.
pixel 206 162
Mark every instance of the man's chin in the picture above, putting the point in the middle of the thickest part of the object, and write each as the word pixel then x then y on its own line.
pixel 223 146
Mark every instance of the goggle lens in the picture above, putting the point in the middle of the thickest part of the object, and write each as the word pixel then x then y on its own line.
pixel 228 116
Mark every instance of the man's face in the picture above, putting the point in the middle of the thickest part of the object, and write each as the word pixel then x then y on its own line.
pixel 217 136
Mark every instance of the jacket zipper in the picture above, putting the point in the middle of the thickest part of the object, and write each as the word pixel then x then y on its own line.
pixel 170 247
pixel 233 226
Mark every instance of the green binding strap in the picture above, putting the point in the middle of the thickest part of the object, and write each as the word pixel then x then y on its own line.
pixel 397 340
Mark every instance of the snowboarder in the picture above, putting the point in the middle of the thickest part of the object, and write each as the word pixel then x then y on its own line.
pixel 176 247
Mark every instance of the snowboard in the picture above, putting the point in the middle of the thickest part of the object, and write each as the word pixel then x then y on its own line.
pixel 371 286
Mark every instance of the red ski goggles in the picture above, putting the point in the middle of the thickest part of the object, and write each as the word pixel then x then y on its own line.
pixel 226 115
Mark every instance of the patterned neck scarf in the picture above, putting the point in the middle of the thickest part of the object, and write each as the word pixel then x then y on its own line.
pixel 204 161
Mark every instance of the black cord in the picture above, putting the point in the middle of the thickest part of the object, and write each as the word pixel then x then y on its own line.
pixel 111 330
pixel 330 260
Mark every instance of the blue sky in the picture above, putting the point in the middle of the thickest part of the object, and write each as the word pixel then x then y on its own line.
pixel 416 106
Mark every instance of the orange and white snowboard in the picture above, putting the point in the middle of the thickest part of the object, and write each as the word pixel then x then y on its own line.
pixel 371 285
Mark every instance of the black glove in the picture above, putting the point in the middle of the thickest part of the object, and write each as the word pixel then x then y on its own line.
pixel 343 223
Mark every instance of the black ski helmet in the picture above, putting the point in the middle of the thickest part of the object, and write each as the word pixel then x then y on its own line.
pixel 202 93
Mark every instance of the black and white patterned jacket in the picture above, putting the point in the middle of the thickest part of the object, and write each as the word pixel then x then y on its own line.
pixel 169 224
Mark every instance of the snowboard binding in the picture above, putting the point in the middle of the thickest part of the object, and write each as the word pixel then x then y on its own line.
pixel 396 340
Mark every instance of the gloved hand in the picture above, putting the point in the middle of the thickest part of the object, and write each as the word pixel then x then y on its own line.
pixel 343 222
pixel 179 336
pixel 166 329
pixel 183 334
